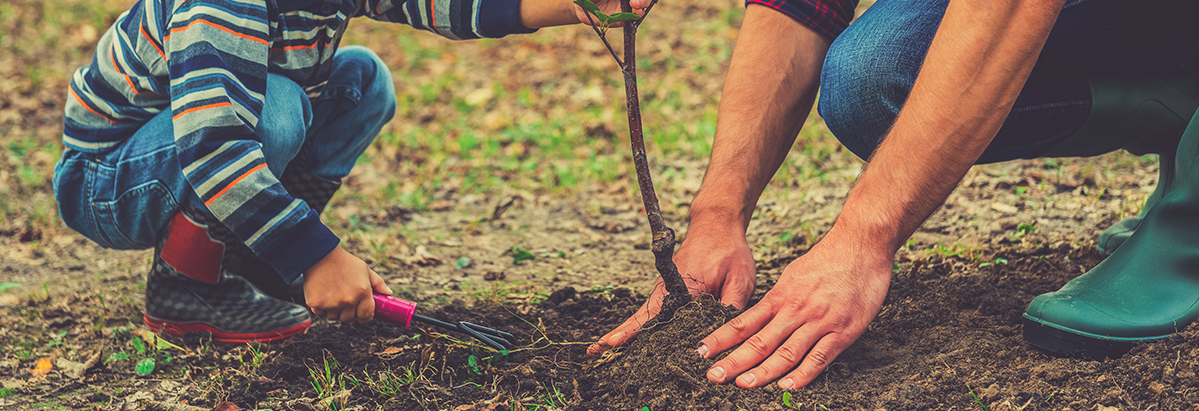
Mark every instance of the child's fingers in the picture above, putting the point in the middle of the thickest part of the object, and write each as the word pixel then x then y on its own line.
pixel 378 285
pixel 366 310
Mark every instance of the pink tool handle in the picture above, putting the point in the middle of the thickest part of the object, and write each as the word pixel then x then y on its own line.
pixel 394 310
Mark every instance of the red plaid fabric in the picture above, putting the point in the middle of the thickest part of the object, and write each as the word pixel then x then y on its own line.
pixel 827 17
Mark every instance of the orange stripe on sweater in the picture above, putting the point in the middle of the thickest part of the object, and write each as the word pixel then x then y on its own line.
pixel 142 28
pixel 219 27
pixel 304 47
pixel 89 108
pixel 238 180
pixel 194 109
pixel 118 69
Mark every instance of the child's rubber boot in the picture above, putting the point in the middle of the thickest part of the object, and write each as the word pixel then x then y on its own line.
pixel 1146 290
pixel 190 288
pixel 316 192
pixel 1143 116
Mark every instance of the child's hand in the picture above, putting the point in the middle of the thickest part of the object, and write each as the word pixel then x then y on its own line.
pixel 536 14
pixel 609 7
pixel 339 287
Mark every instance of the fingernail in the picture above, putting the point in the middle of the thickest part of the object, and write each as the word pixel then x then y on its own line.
pixel 747 379
pixel 617 338
pixel 702 350
pixel 787 383
pixel 716 373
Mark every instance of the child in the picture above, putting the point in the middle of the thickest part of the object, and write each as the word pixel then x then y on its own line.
pixel 216 131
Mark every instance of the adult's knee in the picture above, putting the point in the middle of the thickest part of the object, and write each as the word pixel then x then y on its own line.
pixel 286 116
pixel 870 68
pixel 862 88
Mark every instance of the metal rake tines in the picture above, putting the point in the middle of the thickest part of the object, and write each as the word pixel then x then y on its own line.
pixel 492 337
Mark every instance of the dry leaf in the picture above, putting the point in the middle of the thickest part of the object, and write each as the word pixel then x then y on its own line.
pixel 389 351
pixel 421 257
pixel 70 368
pixel 43 367
pixel 1004 208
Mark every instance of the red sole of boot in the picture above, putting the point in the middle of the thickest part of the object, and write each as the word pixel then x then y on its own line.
pixel 175 328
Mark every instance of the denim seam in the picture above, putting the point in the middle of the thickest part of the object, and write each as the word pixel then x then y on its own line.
pixel 1074 3
pixel 108 209
pixel 93 217
pixel 1051 105
pixel 148 154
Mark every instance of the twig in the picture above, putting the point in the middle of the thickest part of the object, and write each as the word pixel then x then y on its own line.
pixel 604 38
pixel 663 237
pixel 637 23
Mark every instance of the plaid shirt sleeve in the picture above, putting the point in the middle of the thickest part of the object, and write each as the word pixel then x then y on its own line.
pixel 827 17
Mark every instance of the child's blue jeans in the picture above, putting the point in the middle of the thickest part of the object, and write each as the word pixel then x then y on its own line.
pixel 124 198
pixel 871 67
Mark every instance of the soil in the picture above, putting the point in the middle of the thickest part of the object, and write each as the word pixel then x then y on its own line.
pixel 948 337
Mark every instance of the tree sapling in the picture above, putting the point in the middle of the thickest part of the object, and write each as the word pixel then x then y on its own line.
pixel 663 237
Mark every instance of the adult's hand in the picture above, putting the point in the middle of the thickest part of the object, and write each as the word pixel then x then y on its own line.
pixel 339 288
pixel 821 304
pixel 715 261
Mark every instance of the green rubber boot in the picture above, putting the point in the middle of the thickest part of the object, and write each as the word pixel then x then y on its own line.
pixel 1143 116
pixel 1146 290
pixel 1114 236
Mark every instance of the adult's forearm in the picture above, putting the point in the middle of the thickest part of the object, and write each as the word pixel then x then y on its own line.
pixel 770 89
pixel 976 66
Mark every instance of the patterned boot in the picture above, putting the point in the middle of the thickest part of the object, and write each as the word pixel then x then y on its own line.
pixel 192 286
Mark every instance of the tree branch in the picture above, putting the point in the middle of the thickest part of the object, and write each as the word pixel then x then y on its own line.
pixel 604 38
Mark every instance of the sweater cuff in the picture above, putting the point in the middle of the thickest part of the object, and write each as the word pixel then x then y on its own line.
pixel 499 18
pixel 301 247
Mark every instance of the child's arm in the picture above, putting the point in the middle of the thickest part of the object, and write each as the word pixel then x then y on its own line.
pixel 472 19
pixel 217 52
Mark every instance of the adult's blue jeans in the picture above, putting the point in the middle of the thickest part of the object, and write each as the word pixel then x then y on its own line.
pixel 124 198
pixel 870 68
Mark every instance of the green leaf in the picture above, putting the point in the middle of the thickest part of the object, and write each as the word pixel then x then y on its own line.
pixel 116 356
pixel 520 254
pixel 1000 261
pixel 145 366
pixel 162 344
pixel 587 5
pixel 787 399
pixel 139 345
pixel 472 364
pixel 463 263
pixel 8 286
pixel 594 10
pixel 623 17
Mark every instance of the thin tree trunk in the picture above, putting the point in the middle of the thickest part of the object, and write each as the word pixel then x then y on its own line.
pixel 663 237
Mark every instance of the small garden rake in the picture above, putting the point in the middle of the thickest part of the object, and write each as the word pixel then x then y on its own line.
pixel 401 312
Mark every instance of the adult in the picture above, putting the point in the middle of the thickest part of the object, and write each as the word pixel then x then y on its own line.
pixel 924 89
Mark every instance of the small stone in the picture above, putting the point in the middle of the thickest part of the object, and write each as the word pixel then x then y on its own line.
pixel 1004 208
pixel 1157 387
pixel 1112 396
